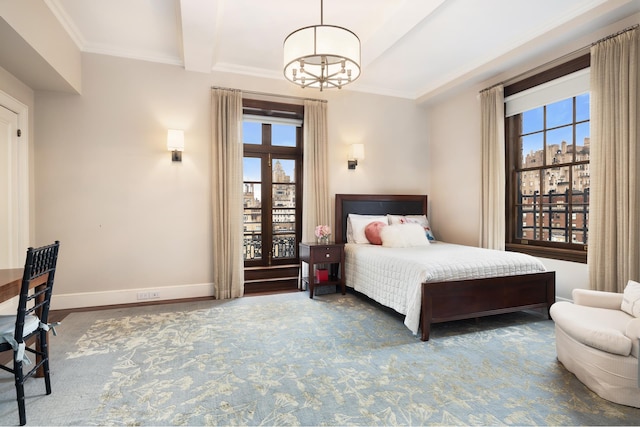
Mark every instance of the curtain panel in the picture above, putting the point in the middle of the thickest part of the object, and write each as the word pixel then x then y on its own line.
pixel 226 187
pixel 316 206
pixel 492 222
pixel 614 211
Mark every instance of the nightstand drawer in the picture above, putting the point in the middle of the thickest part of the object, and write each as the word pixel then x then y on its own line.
pixel 327 254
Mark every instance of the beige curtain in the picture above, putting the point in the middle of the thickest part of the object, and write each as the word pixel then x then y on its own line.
pixel 614 211
pixel 316 205
pixel 492 224
pixel 226 185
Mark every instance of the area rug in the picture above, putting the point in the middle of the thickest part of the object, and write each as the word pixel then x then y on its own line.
pixel 289 360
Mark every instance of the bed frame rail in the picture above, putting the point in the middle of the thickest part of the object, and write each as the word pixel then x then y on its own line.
pixel 467 299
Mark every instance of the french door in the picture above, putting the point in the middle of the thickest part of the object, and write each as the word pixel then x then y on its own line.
pixel 272 201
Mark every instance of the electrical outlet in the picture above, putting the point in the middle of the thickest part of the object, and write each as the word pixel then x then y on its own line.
pixel 148 295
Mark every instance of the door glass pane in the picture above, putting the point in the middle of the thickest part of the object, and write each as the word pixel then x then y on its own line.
pixel 283 135
pixel 283 196
pixel 284 171
pixel 252 133
pixel 251 169
pixel 252 217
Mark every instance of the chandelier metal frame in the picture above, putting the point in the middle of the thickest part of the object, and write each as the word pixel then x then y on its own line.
pixel 322 56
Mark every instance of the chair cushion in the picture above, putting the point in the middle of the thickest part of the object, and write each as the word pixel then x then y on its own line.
pixel 8 325
pixel 599 328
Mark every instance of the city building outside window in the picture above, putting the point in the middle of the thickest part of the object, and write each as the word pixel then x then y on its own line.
pixel 547 131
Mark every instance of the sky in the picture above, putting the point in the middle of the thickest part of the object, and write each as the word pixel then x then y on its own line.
pixel 282 135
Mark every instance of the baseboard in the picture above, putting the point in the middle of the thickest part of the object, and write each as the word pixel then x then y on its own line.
pixel 129 296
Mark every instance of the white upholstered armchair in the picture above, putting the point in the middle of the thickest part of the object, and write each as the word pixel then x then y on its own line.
pixel 597 339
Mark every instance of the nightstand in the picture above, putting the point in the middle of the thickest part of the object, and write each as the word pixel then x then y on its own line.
pixel 323 253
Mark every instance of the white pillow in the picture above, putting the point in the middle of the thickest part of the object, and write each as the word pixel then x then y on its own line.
pixel 631 299
pixel 403 236
pixel 413 219
pixel 356 225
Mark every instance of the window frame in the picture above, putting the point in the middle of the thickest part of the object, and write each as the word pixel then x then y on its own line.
pixel 556 250
pixel 266 152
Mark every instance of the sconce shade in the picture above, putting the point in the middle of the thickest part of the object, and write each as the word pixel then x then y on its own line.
pixel 357 152
pixel 175 140
pixel 175 144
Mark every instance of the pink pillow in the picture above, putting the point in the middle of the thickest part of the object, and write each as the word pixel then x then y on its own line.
pixel 372 232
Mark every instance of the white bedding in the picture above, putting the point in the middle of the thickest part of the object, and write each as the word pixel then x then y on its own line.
pixel 393 276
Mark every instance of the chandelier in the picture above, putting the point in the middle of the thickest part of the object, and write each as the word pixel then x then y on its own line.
pixel 322 56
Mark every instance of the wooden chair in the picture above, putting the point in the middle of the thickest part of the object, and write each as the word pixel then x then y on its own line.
pixel 31 320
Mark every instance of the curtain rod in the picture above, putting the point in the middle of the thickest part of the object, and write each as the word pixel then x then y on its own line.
pixel 633 27
pixel 575 53
pixel 270 94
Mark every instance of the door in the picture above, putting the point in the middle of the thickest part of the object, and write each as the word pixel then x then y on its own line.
pixel 8 187
pixel 272 202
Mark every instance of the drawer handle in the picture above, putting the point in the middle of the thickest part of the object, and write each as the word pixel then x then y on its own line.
pixel 327 255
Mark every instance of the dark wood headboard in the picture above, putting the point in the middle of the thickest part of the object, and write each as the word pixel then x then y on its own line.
pixel 375 204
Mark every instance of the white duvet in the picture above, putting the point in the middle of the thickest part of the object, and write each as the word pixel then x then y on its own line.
pixel 393 276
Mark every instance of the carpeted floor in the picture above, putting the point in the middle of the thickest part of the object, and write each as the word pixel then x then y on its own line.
pixel 288 360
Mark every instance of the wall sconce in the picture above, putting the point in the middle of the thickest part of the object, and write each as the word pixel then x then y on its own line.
pixel 356 152
pixel 175 144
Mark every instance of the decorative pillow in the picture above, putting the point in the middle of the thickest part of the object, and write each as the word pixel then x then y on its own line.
pixel 631 299
pixel 413 219
pixel 372 232
pixel 403 236
pixel 356 225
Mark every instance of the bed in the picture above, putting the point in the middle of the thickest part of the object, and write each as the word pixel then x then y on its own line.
pixel 425 292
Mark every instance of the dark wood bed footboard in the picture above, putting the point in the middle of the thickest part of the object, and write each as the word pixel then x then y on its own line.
pixel 466 299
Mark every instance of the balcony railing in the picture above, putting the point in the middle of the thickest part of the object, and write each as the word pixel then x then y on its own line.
pixel 283 247
pixel 559 223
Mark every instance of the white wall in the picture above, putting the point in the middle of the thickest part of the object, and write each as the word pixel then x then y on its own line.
pixel 129 219
pixel 37 48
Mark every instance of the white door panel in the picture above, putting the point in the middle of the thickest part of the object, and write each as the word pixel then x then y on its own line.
pixel 8 177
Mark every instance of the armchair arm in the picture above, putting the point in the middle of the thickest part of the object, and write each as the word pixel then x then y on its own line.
pixel 599 299
pixel 632 330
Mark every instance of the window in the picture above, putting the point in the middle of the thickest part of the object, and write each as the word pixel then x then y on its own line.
pixel 547 151
pixel 272 171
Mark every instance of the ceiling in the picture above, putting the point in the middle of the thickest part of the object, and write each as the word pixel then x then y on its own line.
pixel 410 48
